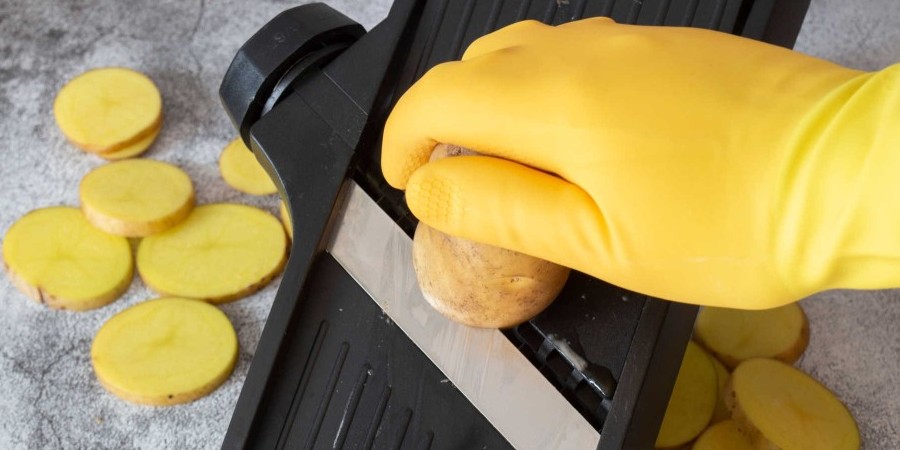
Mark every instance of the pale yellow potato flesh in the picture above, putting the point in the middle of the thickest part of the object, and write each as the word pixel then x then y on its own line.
pixel 776 406
pixel 221 252
pixel 165 351
pixel 136 197
pixel 733 335
pixel 57 258
pixel 286 220
pixel 722 436
pixel 132 150
pixel 241 170
pixel 107 109
pixel 692 402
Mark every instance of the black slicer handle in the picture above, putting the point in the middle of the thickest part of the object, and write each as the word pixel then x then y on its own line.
pixel 293 44
pixel 286 133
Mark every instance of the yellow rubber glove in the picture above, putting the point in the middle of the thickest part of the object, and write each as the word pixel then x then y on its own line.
pixel 681 163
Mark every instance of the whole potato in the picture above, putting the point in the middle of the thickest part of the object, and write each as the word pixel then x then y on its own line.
pixel 477 284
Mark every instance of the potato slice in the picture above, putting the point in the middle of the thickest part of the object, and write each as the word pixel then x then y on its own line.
pixel 733 335
pixel 132 150
pixel 722 436
pixel 57 258
pixel 242 171
pixel 220 253
pixel 776 405
pixel 136 197
pixel 692 402
pixel 721 412
pixel 165 351
pixel 286 220
pixel 108 109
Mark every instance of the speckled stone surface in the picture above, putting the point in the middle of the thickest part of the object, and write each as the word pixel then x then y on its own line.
pixel 49 397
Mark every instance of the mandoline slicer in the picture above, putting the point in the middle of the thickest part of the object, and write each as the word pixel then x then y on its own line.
pixel 351 355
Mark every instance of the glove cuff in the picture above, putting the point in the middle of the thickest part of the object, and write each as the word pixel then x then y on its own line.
pixel 841 214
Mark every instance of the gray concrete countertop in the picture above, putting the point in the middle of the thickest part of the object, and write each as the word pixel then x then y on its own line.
pixel 50 398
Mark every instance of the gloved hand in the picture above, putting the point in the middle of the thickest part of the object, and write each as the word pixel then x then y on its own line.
pixel 686 164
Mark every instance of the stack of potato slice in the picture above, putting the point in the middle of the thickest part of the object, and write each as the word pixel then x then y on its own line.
pixel 765 402
pixel 112 112
pixel 172 349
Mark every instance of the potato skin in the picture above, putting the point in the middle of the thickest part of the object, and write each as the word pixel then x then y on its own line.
pixel 481 285
pixel 442 151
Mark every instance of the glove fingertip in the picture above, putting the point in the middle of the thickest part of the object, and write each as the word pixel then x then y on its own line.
pixel 402 153
pixel 434 198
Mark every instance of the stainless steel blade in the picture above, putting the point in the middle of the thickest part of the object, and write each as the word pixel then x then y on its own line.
pixel 508 390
